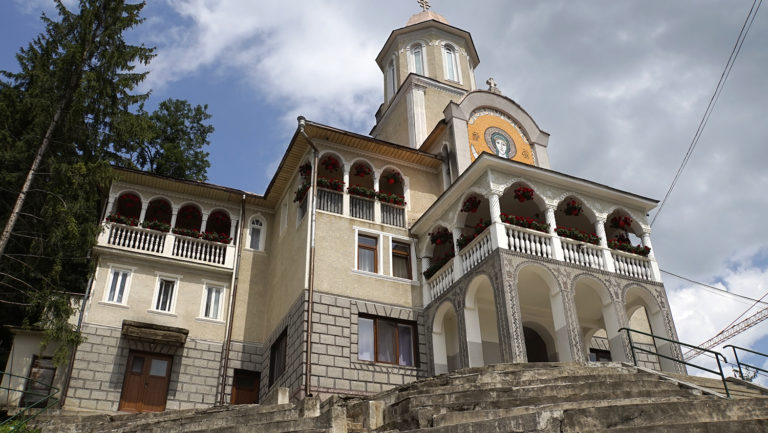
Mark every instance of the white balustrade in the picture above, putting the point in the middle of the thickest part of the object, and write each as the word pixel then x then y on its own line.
pixel 167 245
pixel 582 253
pixel 440 282
pixel 476 251
pixel 632 265
pixel 135 238
pixel 529 241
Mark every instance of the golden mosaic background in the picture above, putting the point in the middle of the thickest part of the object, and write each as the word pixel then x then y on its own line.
pixel 477 138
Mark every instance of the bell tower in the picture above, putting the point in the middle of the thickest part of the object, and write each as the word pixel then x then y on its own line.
pixel 425 65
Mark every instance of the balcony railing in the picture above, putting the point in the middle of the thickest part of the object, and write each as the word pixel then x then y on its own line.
pixel 330 201
pixel 392 215
pixel 536 243
pixel 360 207
pixel 167 245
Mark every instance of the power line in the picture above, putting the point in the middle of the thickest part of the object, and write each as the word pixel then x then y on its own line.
pixel 713 100
pixel 718 289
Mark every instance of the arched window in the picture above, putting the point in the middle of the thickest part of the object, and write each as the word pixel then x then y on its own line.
pixel 256 233
pixel 450 65
pixel 417 56
pixel 391 86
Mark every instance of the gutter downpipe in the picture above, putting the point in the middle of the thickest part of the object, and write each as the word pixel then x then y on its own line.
pixel 311 283
pixel 235 278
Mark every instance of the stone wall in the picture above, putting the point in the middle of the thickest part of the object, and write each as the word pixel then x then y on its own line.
pixel 294 323
pixel 100 364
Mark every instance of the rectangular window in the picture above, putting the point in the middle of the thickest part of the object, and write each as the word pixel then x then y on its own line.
pixel 212 303
pixel 385 340
pixel 277 357
pixel 367 256
pixel 116 291
pixel 401 260
pixel 164 301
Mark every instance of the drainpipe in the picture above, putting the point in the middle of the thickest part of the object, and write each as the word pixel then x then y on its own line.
pixel 311 284
pixel 235 278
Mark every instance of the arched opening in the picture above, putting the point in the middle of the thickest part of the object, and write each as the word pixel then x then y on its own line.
pixel 442 250
pixel 473 219
pixel 598 321
pixel 390 80
pixel 330 184
pixel 218 227
pixel 128 205
pixel 391 194
pixel 645 315
pixel 575 221
pixel 481 322
pixel 256 234
pixel 158 215
pixel 361 190
pixel 521 206
pixel 535 347
pixel 188 221
pixel 542 309
pixel 445 339
pixel 624 233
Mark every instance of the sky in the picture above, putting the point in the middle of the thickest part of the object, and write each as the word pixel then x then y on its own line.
pixel 620 86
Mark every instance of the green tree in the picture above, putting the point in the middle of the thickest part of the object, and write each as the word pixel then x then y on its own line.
pixel 169 141
pixel 57 119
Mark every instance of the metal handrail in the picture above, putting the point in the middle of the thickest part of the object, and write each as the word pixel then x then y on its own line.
pixel 718 355
pixel 739 363
pixel 22 417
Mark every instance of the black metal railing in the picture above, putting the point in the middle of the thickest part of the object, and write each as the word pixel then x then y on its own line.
pixel 32 407
pixel 739 363
pixel 717 355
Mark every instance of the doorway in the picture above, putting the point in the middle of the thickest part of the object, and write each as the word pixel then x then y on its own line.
pixel 145 387
pixel 245 387
pixel 535 347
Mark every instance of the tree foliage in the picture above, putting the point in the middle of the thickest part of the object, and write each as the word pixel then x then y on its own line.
pixel 75 79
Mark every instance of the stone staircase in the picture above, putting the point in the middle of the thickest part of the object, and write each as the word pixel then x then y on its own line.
pixel 534 397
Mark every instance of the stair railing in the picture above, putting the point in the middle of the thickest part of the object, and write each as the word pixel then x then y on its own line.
pixel 32 409
pixel 717 355
pixel 739 363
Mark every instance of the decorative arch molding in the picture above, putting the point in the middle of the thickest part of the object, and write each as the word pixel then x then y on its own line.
pixel 480 99
pixel 335 154
pixel 604 288
pixel 458 216
pixel 586 201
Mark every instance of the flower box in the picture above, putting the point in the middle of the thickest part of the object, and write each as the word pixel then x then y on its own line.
pixel 578 235
pixel 528 223
pixel 332 184
pixel 120 219
pixel 361 191
pixel 465 240
pixel 622 243
pixel 437 264
pixel 217 237
pixel 156 225
pixel 391 198
pixel 191 233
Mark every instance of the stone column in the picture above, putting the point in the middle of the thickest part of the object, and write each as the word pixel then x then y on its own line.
pixel 499 237
pixel 174 214
pixel 143 212
pixel 654 264
pixel 203 222
pixel 557 246
pixel 458 266
pixel 111 204
pixel 376 203
pixel 600 232
pixel 345 196
pixel 426 296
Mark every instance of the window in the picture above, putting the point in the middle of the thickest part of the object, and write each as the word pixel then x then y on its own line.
pixel 390 79
pixel 117 289
pixel 165 292
pixel 401 260
pixel 385 340
pixel 367 256
pixel 417 55
pixel 212 302
pixel 277 357
pixel 256 233
pixel 450 66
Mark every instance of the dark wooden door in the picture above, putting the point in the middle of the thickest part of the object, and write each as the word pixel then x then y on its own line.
pixel 245 387
pixel 145 387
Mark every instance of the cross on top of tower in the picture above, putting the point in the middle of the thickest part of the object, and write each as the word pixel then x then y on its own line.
pixel 424 4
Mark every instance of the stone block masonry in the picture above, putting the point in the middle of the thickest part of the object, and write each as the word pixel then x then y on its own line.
pixel 100 365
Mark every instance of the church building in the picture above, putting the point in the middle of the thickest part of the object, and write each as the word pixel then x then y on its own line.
pixel 441 240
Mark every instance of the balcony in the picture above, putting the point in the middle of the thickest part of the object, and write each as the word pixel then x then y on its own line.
pixel 535 243
pixel 168 245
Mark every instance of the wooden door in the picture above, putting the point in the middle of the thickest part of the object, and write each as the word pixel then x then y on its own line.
pixel 145 387
pixel 245 387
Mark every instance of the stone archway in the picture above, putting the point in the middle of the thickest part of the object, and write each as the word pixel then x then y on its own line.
pixel 445 339
pixel 482 323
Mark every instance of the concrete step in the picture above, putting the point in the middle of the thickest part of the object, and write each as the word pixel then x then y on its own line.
pixel 740 426
pixel 736 387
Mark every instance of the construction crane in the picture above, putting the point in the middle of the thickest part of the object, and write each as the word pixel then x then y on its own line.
pixel 728 333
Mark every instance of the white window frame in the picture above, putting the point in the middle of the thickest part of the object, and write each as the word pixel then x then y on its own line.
pixel 454 62
pixel 222 300
pixel 390 79
pixel 110 279
pixel 262 241
pixel 176 290
pixel 412 58
pixel 371 234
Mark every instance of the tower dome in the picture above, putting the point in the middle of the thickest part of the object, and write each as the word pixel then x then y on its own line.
pixel 426 15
